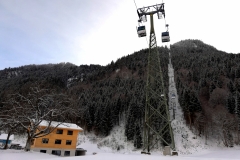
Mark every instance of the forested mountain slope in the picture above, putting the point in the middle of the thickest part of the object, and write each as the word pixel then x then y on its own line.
pixel 208 84
pixel 104 95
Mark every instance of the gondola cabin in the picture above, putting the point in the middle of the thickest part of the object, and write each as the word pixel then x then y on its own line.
pixel 165 37
pixel 141 31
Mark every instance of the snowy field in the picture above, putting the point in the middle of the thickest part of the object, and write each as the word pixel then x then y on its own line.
pixel 223 154
pixel 108 152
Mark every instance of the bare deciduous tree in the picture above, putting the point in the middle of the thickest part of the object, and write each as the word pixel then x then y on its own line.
pixel 10 128
pixel 225 124
pixel 38 106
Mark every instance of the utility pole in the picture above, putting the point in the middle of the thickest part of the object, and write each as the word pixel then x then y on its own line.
pixel 157 124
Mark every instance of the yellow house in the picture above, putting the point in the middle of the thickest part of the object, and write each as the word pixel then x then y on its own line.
pixel 62 141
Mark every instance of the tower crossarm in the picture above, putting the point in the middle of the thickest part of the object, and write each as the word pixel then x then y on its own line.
pixel 144 11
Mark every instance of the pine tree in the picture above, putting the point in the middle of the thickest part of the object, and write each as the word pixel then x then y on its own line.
pixel 237 73
pixel 238 116
pixel 231 86
pixel 88 120
pixel 229 139
pixel 138 137
pixel 195 76
pixel 220 83
pixel 189 77
pixel 97 122
pixel 237 86
pixel 230 104
pixel 237 102
pixel 202 83
pixel 186 100
pixel 130 128
pixel 211 87
pixel 194 103
pixel 107 123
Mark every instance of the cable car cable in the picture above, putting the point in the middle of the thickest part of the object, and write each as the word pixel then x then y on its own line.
pixel 135 4
pixel 165 19
pixel 165 23
pixel 146 40
pixel 140 22
pixel 167 31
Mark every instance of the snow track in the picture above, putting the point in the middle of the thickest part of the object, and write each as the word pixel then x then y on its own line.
pixel 185 141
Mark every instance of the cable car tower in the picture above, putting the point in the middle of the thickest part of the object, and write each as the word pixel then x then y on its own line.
pixel 157 124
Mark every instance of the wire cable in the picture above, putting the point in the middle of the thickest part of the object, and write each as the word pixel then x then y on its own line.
pixel 165 18
pixel 166 24
pixel 135 4
pixel 140 22
pixel 147 41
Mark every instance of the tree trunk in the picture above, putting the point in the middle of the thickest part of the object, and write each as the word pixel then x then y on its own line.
pixel 205 132
pixel 6 145
pixel 190 120
pixel 28 144
pixel 225 138
pixel 238 141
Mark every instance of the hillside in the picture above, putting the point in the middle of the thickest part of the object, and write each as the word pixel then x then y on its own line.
pixel 101 93
pixel 207 82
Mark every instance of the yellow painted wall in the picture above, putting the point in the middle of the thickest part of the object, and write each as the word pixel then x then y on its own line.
pixel 53 136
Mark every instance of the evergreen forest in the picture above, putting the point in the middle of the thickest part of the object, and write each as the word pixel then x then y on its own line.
pixel 207 81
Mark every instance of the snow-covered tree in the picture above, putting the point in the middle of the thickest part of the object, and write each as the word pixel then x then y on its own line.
pixel 129 128
pixel 226 125
pixel 230 104
pixel 10 128
pixel 138 137
pixel 107 121
pixel 38 106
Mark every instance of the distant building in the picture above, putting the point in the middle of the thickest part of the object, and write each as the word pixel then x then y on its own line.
pixel 62 141
pixel 3 140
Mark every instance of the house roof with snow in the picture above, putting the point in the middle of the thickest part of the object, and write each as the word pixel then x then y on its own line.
pixel 4 137
pixel 61 125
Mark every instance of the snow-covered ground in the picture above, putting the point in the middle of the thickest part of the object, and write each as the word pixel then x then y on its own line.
pixel 186 141
pixel 219 154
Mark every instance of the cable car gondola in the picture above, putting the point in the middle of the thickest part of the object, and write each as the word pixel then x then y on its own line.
pixel 141 30
pixel 165 37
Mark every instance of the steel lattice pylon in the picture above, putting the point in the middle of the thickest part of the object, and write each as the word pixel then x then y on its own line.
pixel 157 124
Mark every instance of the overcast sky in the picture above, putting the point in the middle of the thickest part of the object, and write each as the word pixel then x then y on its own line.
pixel 99 31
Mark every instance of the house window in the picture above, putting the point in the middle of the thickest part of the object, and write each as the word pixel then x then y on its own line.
pixel 56 152
pixel 67 153
pixel 68 142
pixel 70 133
pixel 58 141
pixel 45 140
pixel 43 151
pixel 59 131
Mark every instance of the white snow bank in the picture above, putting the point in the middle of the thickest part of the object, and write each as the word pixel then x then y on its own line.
pixel 4 137
pixel 224 154
pixel 11 154
pixel 116 142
